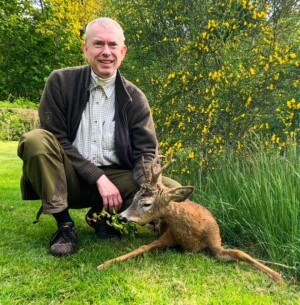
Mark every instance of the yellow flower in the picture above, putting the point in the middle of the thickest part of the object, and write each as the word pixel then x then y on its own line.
pixel 239 145
pixel 184 79
pixel 191 155
pixel 204 34
pixel 249 101
pixel 178 145
pixel 212 24
pixel 291 104
pixel 171 75
pixel 204 130
pixel 276 76
pixel 181 125
pixel 275 139
pixel 252 71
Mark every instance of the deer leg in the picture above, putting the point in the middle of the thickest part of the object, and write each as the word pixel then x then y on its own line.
pixel 164 241
pixel 238 255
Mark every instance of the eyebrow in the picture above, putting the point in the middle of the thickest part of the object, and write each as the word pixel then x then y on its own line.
pixel 96 41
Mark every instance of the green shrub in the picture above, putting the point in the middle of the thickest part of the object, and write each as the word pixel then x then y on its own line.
pixel 20 102
pixel 17 118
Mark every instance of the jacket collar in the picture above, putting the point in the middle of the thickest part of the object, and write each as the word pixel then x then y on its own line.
pixel 122 95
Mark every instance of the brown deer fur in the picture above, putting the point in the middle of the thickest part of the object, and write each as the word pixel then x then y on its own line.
pixel 189 225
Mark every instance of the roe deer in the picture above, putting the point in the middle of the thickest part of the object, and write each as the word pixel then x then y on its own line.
pixel 189 224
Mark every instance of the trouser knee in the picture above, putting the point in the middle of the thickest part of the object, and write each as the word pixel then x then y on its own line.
pixel 35 142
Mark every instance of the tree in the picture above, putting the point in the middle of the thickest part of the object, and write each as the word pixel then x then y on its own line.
pixel 37 38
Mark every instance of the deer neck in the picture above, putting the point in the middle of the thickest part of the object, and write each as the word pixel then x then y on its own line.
pixel 170 212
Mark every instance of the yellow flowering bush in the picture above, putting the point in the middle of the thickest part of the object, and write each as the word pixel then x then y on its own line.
pixel 215 73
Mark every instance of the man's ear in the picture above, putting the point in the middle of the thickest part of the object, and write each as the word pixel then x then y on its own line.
pixel 124 51
pixel 178 194
pixel 84 48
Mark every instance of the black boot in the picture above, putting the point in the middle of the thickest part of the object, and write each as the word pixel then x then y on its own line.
pixel 64 240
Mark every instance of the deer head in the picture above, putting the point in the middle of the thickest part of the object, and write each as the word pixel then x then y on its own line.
pixel 152 198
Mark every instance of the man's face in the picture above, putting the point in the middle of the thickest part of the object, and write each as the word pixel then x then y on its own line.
pixel 104 49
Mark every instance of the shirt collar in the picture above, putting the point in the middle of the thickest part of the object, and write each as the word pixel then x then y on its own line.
pixel 107 84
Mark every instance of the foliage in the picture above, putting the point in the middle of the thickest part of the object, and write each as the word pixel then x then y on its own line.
pixel 215 71
pixel 36 39
pixel 14 122
pixel 113 220
pixel 18 103
pixel 16 118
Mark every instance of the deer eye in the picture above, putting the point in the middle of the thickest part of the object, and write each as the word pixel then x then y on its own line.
pixel 147 205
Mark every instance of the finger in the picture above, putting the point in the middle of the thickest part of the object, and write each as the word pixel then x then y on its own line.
pixel 112 205
pixel 105 203
pixel 119 202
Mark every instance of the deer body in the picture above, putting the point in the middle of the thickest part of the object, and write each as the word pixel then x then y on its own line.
pixel 189 225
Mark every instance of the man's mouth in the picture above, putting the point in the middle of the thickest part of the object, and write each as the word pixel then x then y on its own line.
pixel 106 61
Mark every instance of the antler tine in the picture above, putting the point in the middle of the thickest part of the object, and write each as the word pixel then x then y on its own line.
pixel 155 175
pixel 171 160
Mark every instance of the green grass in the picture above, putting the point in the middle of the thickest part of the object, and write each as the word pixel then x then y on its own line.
pixel 29 275
pixel 256 200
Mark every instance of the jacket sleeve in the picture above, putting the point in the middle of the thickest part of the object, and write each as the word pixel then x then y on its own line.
pixel 55 115
pixel 142 132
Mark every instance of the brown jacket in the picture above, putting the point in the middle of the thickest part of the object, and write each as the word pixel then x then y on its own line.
pixel 64 98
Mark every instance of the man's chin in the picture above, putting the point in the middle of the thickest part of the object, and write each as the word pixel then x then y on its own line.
pixel 105 73
pixel 108 71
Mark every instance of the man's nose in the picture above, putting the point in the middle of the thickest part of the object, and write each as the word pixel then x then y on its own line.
pixel 106 50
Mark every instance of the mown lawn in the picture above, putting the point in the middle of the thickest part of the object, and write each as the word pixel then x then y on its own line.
pixel 29 275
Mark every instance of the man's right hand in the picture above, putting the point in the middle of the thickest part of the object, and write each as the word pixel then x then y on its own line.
pixel 110 194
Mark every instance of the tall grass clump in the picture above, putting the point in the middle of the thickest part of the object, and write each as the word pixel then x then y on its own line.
pixel 256 200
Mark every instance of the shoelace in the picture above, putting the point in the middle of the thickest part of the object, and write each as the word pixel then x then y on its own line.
pixel 67 233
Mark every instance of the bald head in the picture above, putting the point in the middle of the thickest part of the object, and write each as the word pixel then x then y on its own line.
pixel 106 23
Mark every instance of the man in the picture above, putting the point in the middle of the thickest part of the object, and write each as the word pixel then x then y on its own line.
pixel 95 128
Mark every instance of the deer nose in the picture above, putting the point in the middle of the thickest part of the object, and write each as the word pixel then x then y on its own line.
pixel 122 219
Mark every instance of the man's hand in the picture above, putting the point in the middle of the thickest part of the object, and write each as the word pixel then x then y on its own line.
pixel 110 194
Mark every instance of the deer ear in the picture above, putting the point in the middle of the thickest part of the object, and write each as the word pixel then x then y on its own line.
pixel 178 194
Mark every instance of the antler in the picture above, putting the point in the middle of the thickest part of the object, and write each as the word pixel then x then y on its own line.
pixel 155 174
pixel 146 171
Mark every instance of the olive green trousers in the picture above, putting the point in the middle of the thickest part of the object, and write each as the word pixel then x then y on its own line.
pixel 48 175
